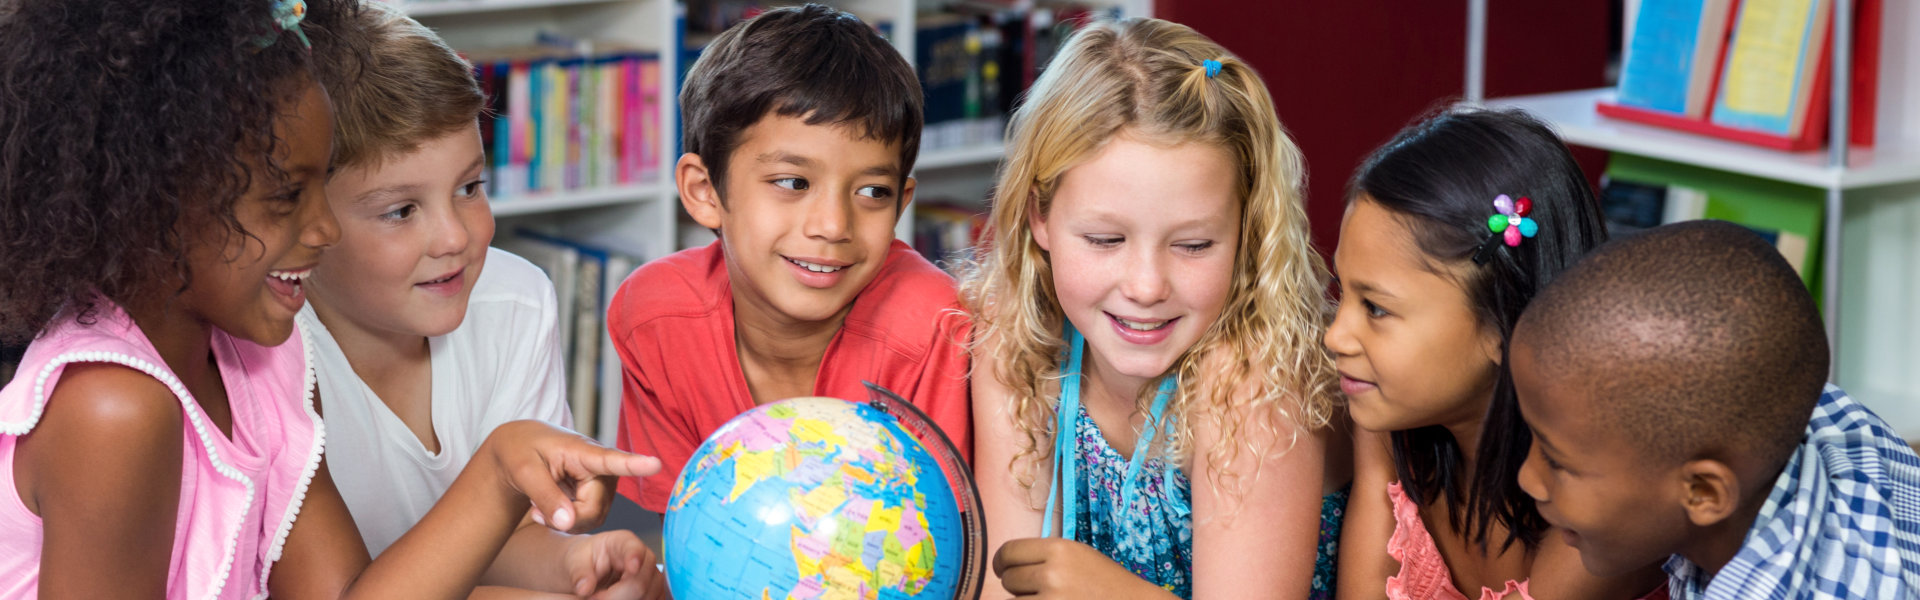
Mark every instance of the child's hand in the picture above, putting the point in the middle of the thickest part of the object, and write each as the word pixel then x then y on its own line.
pixel 1055 568
pixel 614 565
pixel 568 478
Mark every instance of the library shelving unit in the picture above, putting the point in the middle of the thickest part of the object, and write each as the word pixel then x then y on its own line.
pixel 643 219
pixel 1869 278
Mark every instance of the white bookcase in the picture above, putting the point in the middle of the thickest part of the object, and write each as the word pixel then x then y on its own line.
pixel 643 220
pixel 1871 279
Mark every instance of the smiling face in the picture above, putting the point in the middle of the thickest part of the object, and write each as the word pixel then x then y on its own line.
pixel 1410 348
pixel 414 235
pixel 1142 251
pixel 807 218
pixel 1611 501
pixel 250 285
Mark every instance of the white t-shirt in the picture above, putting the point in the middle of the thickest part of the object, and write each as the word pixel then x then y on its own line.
pixel 501 364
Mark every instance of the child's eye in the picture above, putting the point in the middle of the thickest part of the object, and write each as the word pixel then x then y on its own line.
pixel 400 214
pixel 473 188
pixel 1552 464
pixel 877 192
pixel 792 183
pixel 1195 247
pixel 1103 241
pixel 1373 310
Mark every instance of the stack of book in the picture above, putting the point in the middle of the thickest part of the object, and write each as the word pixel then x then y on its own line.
pixel 585 277
pixel 976 59
pixel 1754 71
pixel 568 116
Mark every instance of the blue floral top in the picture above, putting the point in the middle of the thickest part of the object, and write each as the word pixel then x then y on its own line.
pixel 1153 537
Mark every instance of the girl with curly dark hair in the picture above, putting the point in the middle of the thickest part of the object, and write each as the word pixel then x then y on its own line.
pixel 162 173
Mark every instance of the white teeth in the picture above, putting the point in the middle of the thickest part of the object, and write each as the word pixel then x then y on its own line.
pixel 288 277
pixel 1142 325
pixel 814 267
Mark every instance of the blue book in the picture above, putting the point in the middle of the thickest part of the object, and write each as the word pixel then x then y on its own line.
pixel 1671 56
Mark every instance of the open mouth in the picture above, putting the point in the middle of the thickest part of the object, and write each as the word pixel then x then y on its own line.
pixel 1154 325
pixel 815 267
pixel 449 277
pixel 287 283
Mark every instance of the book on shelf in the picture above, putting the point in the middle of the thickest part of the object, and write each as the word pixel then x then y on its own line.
pixel 1673 54
pixel 1642 192
pixel 944 230
pixel 585 277
pixel 1769 83
pixel 975 59
pixel 566 115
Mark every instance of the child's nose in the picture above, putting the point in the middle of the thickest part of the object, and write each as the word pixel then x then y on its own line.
pixel 1146 279
pixel 450 235
pixel 1529 478
pixel 320 228
pixel 829 219
pixel 1339 337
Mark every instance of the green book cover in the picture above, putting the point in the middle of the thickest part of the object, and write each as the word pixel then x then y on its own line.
pixel 1792 216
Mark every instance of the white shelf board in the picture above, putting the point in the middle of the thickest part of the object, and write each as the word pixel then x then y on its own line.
pixel 1573 116
pixel 430 8
pixel 540 203
pixel 964 156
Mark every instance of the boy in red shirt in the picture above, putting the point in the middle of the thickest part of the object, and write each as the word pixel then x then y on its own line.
pixel 801 127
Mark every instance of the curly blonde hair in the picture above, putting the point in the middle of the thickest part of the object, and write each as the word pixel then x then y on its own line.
pixel 1147 77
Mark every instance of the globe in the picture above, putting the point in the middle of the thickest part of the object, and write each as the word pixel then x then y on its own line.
pixel 825 498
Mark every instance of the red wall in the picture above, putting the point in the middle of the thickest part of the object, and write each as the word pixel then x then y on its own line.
pixel 1347 74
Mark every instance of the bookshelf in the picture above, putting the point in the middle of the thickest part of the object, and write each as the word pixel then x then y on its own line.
pixel 642 220
pixel 1872 205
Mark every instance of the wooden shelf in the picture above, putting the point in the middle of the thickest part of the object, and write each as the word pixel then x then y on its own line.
pixel 577 199
pixel 1572 115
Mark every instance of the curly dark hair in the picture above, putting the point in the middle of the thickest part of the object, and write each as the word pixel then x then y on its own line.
pixel 123 120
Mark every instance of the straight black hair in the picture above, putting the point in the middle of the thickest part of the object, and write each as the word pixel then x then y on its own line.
pixel 1443 174
pixel 813 62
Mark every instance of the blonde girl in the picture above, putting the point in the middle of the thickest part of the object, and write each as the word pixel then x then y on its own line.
pixel 1148 307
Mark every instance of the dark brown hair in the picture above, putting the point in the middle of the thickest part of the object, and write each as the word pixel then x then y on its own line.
pixel 414 88
pixel 808 61
pixel 122 119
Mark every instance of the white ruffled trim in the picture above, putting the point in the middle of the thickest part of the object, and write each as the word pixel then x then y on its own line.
pixel 306 474
pixel 192 408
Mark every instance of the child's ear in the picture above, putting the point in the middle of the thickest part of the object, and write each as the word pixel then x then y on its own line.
pixel 1710 491
pixel 1037 223
pixel 906 198
pixel 697 192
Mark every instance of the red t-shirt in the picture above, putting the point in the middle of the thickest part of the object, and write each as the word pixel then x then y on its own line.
pixel 672 324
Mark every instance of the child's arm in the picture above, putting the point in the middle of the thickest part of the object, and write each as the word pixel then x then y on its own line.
pixel 1010 513
pixel 1259 540
pixel 102 469
pixel 1364 562
pixel 538 558
pixel 1558 574
pixel 444 554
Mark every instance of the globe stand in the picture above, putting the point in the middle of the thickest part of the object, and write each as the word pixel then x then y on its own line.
pixel 973 563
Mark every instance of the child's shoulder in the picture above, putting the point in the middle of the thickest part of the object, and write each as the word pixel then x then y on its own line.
pixel 908 282
pixel 688 283
pixel 509 278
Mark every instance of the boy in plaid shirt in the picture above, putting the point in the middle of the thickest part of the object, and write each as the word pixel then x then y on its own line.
pixel 1668 381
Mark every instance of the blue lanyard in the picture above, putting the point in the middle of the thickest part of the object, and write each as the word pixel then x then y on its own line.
pixel 1065 476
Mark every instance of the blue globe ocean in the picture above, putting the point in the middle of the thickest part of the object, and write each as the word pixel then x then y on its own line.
pixel 819 498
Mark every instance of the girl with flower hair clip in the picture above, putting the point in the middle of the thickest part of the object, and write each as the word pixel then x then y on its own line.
pixel 1450 229
pixel 1151 409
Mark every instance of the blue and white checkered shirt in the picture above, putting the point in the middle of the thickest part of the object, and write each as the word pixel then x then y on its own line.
pixel 1842 522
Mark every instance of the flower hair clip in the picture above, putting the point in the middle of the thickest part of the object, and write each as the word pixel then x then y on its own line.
pixel 286 16
pixel 1509 224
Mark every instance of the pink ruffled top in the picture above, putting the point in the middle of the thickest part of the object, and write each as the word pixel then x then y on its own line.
pixel 1423 572
pixel 238 496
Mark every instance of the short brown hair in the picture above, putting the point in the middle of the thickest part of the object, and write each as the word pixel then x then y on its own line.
pixel 415 88
pixel 808 61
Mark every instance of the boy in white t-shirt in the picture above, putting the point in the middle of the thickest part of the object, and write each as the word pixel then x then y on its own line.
pixel 433 339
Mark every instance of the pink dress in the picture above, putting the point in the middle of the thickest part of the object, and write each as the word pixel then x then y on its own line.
pixel 1423 571
pixel 238 497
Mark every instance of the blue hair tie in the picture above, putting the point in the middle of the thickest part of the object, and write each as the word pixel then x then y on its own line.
pixel 1213 67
